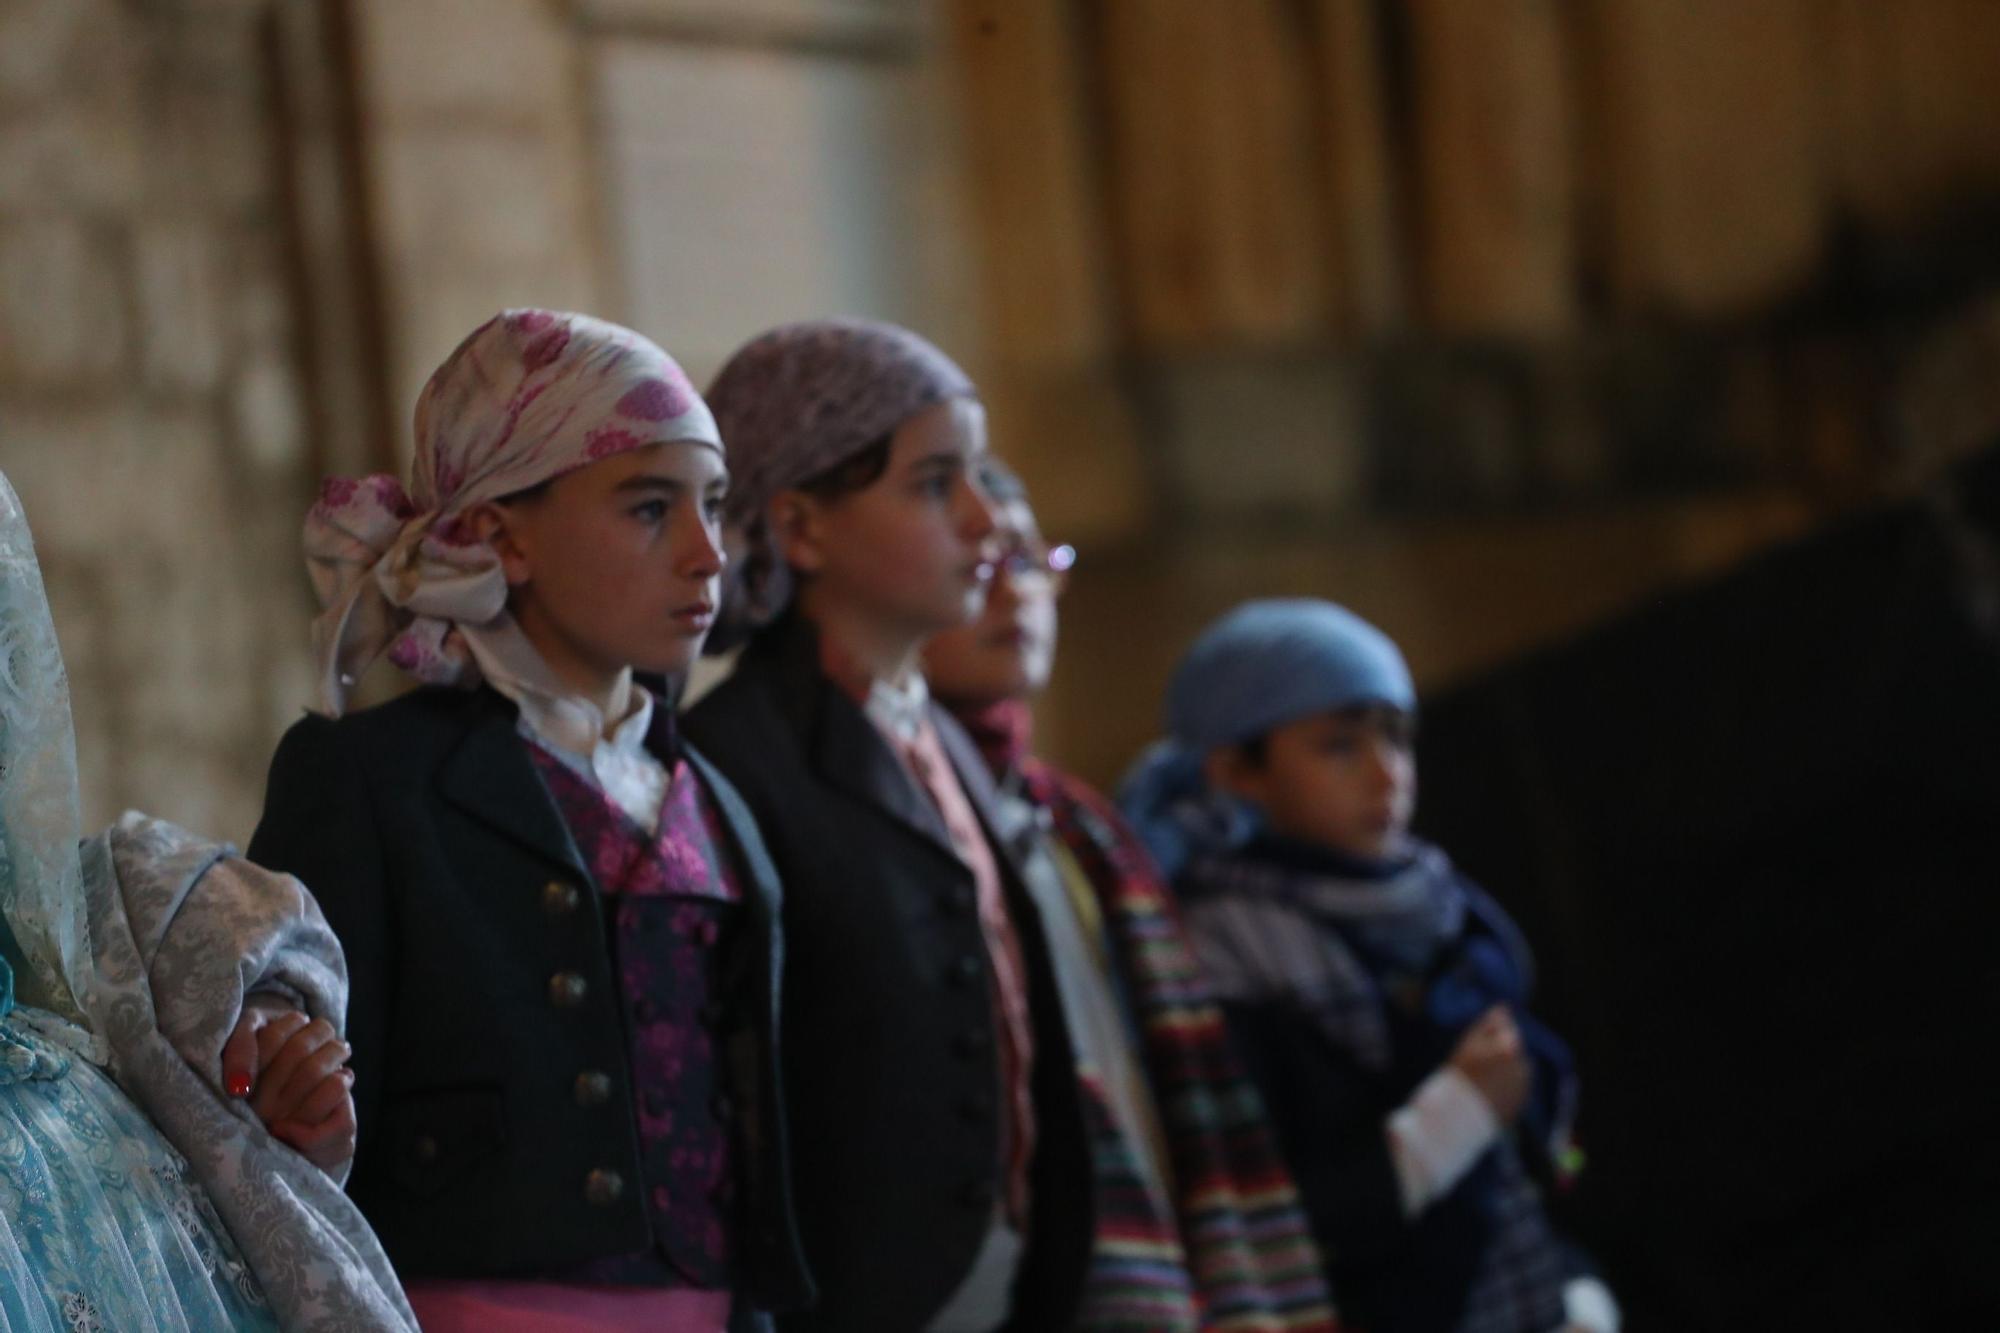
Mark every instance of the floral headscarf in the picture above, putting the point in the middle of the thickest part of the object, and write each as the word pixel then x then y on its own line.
pixel 529 396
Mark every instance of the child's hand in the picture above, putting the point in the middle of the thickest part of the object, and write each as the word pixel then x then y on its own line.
pixel 294 1070
pixel 1490 1054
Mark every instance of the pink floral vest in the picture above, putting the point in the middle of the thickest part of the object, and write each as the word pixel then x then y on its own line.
pixel 674 901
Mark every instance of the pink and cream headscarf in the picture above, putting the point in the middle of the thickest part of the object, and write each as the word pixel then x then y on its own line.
pixel 530 395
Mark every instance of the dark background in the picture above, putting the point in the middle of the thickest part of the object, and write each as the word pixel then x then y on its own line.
pixel 1751 829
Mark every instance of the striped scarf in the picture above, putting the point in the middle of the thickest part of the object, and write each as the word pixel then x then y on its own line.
pixel 1241 1240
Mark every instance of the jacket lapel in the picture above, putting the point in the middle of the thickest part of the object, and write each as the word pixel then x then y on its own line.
pixel 490 777
pixel 852 755
pixel 747 842
pixel 845 749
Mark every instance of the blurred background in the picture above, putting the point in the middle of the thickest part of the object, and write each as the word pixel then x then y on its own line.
pixel 1622 358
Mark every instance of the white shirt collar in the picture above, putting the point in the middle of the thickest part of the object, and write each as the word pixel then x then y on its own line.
pixel 900 709
pixel 559 715
pixel 573 728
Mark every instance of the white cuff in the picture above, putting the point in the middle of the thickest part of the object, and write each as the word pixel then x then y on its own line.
pixel 1588 1304
pixel 1436 1136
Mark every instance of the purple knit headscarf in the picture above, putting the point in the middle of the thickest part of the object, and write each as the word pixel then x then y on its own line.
pixel 795 403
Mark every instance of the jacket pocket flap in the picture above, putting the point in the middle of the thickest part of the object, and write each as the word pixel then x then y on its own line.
pixel 434 1138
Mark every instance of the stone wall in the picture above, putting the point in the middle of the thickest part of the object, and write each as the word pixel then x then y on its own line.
pixel 1350 331
pixel 236 235
pixel 478 171
pixel 151 410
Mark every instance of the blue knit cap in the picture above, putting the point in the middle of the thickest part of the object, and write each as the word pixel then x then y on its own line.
pixel 1264 664
pixel 1271 661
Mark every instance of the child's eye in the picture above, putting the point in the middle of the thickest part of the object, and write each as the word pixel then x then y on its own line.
pixel 652 511
pixel 711 508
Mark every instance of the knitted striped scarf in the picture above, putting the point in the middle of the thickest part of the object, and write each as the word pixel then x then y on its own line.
pixel 1239 1257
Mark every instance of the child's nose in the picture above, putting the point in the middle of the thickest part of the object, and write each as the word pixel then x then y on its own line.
pixel 1382 764
pixel 701 553
pixel 977 519
pixel 1002 591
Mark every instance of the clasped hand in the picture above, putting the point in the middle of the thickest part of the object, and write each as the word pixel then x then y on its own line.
pixel 293 1070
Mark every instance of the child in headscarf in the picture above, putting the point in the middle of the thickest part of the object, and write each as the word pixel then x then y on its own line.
pixel 1204 1230
pixel 944 1182
pixel 159 1201
pixel 1379 997
pixel 560 921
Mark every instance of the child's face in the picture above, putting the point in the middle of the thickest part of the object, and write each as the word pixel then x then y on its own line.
pixel 908 555
pixel 1008 652
pixel 1345 780
pixel 616 564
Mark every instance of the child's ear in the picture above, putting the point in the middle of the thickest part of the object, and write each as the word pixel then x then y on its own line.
pixel 1227 768
pixel 795 531
pixel 495 525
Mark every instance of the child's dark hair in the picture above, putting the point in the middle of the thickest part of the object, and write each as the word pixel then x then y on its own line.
pixel 1402 723
pixel 850 475
pixel 531 495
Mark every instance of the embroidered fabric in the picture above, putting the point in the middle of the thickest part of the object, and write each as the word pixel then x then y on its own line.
pixel 136 949
pixel 41 874
pixel 102 1225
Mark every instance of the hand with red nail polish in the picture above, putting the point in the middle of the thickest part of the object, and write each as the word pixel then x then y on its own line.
pixel 293 1071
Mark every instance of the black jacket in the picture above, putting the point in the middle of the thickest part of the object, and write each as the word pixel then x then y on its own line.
pixel 890 1064
pixel 444 866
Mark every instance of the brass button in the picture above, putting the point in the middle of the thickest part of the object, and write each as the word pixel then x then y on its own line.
pixel 567 989
pixel 593 1088
pixel 966 970
pixel 425 1149
pixel 560 898
pixel 603 1188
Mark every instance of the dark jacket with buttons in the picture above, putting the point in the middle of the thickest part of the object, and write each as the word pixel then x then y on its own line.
pixel 498 1134
pixel 890 1068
